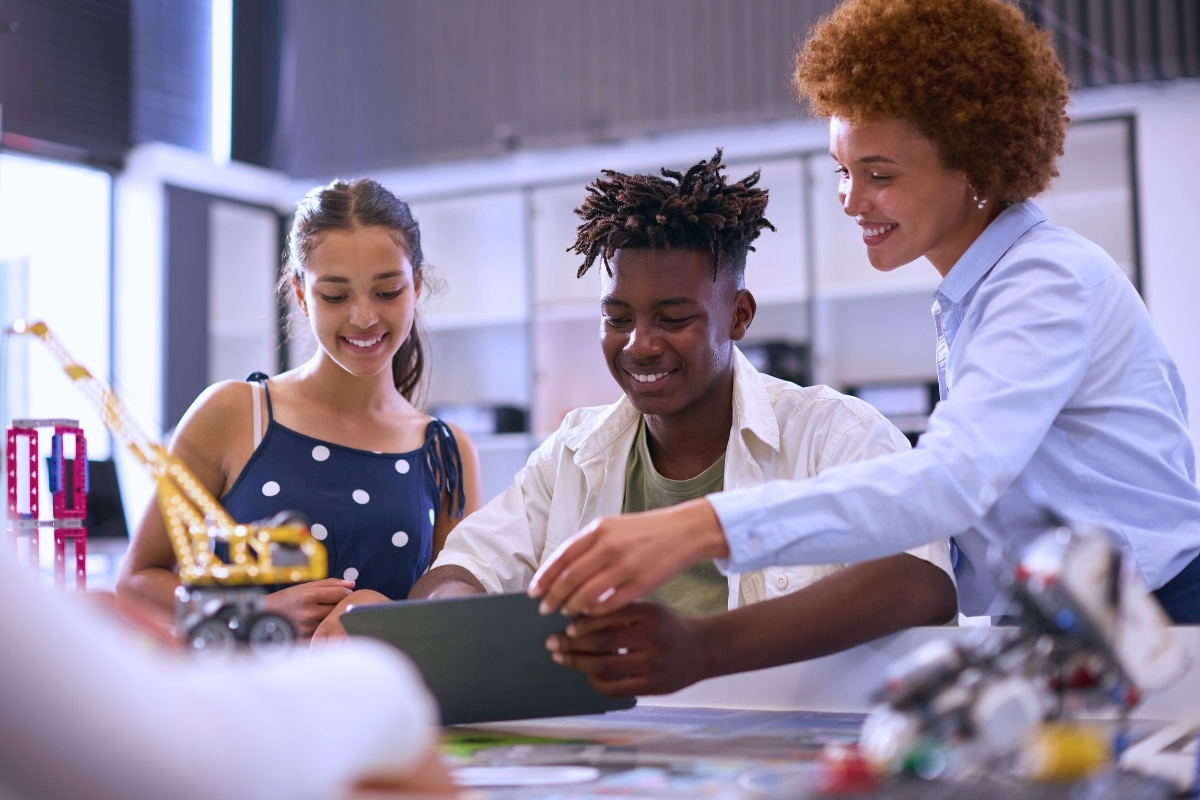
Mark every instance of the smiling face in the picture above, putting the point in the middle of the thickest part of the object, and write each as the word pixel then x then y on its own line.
pixel 667 331
pixel 907 203
pixel 360 298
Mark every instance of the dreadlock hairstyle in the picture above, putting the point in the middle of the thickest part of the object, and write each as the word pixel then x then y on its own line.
pixel 694 210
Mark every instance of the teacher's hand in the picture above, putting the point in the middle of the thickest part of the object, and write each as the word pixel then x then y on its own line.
pixel 615 560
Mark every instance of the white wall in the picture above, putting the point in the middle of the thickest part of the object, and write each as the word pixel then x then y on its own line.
pixel 139 211
pixel 1168 163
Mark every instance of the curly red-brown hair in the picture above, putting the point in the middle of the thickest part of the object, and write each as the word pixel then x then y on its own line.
pixel 972 76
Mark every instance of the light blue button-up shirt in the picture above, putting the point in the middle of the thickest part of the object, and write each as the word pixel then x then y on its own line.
pixel 1057 395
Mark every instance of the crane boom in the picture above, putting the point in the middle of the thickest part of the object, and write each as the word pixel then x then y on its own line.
pixel 259 554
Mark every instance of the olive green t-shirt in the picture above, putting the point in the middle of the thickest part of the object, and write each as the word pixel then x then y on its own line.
pixel 700 589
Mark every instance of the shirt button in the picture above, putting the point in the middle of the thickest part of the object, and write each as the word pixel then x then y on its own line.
pixel 781 582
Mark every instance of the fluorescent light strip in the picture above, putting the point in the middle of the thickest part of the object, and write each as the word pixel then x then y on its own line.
pixel 222 80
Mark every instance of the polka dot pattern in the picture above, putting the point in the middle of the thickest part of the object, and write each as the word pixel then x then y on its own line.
pixel 373 526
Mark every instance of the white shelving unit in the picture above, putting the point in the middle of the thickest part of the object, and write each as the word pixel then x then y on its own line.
pixel 243 262
pixel 515 326
pixel 476 244
pixel 1094 194
pixel 875 327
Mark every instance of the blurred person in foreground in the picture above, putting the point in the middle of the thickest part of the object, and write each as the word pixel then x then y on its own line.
pixel 93 709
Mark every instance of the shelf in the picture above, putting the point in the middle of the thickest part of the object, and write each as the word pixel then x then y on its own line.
pixel 867 291
pixel 468 321
pixel 505 442
pixel 1056 198
pixel 241 329
pixel 1102 215
pixel 772 299
pixel 483 365
pixel 516 326
pixel 475 246
pixel 501 457
pixel 775 270
pixel 569 312
pixel 553 230
pixel 569 371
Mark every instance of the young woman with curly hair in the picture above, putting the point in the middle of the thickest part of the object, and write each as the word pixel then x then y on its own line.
pixel 946 117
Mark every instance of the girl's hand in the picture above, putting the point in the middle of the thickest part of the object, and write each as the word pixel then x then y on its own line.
pixel 331 627
pixel 306 605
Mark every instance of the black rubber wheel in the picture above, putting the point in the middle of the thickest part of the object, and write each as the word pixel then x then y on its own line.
pixel 211 638
pixel 270 634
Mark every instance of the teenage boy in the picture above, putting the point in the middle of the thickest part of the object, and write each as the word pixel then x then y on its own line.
pixel 696 417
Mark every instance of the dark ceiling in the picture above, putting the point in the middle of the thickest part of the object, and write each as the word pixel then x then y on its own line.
pixel 322 87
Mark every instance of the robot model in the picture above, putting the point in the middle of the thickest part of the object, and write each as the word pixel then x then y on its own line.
pixel 1088 641
pixel 219 601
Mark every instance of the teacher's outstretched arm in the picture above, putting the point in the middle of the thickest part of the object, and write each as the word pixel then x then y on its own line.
pixel 616 560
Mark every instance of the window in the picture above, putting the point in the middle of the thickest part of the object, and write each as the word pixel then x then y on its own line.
pixel 55 244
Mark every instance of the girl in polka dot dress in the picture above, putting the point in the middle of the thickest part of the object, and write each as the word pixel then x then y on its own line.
pixel 337 438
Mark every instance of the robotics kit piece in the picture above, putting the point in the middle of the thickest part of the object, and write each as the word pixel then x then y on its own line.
pixel 1088 641
pixel 70 508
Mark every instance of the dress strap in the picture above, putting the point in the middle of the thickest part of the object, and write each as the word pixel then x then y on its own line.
pixel 445 462
pixel 258 382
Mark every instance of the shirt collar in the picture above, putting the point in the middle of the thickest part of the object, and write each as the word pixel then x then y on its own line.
pixel 597 433
pixel 752 409
pixel 1013 223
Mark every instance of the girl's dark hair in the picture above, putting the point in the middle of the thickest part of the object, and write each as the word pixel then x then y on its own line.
pixel 694 210
pixel 348 205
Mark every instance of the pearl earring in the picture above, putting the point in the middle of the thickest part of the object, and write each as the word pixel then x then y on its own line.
pixel 979 203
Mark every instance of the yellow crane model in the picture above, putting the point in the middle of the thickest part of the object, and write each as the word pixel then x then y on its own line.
pixel 219 600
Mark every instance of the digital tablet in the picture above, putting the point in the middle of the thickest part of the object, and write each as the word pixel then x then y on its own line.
pixel 484 657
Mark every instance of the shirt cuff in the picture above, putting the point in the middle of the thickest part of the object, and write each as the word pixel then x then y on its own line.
pixel 740 513
pixel 490 581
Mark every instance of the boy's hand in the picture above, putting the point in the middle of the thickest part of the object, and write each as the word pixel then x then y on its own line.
pixel 640 649
pixel 616 560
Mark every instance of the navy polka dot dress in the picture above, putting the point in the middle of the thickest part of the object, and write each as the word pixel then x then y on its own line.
pixel 374 512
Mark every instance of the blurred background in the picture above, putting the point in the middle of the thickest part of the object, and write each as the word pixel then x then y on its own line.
pixel 151 153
